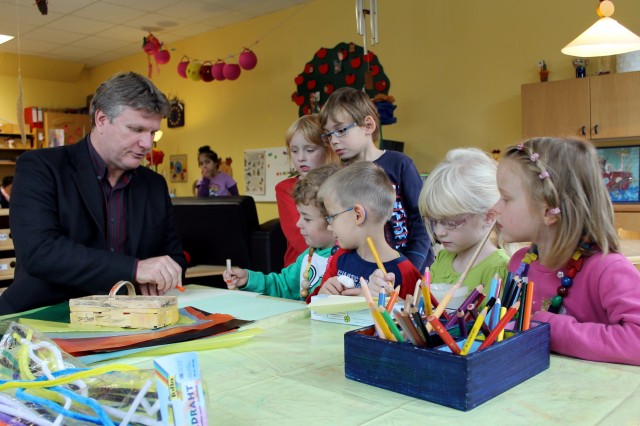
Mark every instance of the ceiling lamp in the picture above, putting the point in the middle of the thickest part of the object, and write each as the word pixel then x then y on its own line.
pixel 605 37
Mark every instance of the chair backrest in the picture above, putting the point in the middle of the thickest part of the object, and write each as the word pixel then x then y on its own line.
pixel 214 229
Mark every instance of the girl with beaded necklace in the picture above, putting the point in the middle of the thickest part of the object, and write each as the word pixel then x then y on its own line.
pixel 553 195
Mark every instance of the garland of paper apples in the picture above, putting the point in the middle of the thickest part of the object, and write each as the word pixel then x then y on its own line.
pixel 154 47
pixel 220 70
pixel 346 64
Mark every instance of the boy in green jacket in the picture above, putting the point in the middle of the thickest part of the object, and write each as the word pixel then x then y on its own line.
pixel 299 279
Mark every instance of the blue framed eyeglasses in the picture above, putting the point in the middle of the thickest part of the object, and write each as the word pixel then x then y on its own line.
pixel 329 218
pixel 326 137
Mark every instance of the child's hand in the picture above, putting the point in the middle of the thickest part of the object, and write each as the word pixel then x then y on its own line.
pixel 235 278
pixel 378 281
pixel 332 286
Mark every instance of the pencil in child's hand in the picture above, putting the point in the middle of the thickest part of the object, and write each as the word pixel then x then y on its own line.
pixel 375 254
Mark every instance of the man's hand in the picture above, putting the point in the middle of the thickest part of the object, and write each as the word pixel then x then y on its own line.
pixel 160 274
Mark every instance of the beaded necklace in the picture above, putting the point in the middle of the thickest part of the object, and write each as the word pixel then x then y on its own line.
pixel 554 304
pixel 306 275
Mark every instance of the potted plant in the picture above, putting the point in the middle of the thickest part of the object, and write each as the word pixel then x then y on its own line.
pixel 544 73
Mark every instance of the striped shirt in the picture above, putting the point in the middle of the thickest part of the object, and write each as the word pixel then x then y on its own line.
pixel 114 201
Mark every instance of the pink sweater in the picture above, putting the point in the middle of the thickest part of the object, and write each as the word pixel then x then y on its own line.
pixel 602 322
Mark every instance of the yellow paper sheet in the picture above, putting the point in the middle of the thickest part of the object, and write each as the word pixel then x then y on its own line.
pixel 61 327
pixel 334 303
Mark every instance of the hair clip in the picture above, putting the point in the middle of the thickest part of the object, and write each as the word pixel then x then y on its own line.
pixel 534 157
pixel 554 211
pixel 520 147
pixel 544 175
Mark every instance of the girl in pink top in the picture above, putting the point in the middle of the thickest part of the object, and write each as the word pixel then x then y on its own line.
pixel 553 195
pixel 306 151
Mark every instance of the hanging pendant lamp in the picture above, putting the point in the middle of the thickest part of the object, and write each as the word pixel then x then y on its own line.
pixel 605 37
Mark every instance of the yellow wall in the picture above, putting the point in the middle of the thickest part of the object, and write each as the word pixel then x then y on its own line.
pixel 455 68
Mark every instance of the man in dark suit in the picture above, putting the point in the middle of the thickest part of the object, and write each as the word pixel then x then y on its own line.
pixel 87 215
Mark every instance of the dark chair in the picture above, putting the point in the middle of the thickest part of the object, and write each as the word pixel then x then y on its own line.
pixel 214 229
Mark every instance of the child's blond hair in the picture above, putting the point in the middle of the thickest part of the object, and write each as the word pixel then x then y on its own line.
pixel 362 183
pixel 564 174
pixel 355 104
pixel 463 183
pixel 305 191
pixel 309 126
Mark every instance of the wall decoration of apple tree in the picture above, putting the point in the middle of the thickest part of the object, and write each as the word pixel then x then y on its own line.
pixel 344 65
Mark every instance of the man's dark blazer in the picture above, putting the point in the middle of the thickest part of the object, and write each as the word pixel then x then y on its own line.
pixel 58 224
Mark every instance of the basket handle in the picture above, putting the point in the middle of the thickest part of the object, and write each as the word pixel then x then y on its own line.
pixel 130 288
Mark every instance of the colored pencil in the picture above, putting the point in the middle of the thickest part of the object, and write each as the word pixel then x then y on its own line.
pixel 405 328
pixel 474 332
pixel 462 324
pixel 392 325
pixel 501 325
pixel 503 312
pixel 426 291
pixel 443 303
pixel 475 254
pixel 470 299
pixel 444 334
pixel 526 321
pixel 412 328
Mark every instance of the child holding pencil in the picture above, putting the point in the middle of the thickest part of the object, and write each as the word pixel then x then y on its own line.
pixel 352 127
pixel 306 151
pixel 297 280
pixel 359 199
pixel 553 195
pixel 456 202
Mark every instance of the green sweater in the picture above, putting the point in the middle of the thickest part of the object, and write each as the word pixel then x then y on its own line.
pixel 286 284
pixel 442 269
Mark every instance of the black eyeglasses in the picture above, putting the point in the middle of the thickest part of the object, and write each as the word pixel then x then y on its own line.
pixel 449 225
pixel 326 137
pixel 329 218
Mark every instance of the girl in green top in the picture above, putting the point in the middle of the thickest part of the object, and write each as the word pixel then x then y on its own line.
pixel 456 202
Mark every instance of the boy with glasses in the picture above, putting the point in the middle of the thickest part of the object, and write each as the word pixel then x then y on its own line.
pixel 359 200
pixel 351 124
pixel 456 202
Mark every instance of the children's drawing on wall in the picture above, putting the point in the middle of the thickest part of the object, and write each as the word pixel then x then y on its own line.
pixel 254 172
pixel 620 171
pixel 263 169
pixel 178 168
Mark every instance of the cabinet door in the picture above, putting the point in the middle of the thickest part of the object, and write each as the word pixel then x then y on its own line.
pixel 65 129
pixel 615 105
pixel 556 108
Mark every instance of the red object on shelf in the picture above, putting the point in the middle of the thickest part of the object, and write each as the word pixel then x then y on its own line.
pixel 34 117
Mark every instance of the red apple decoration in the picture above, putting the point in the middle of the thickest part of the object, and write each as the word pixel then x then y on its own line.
pixel 216 70
pixel 350 79
pixel 328 88
pixel 321 53
pixel 355 63
pixel 299 80
pixel 381 85
pixel 162 56
pixel 368 57
pixel 231 71
pixel 374 70
pixel 323 68
pixel 311 84
pixel 205 72
pixel 308 69
pixel 182 67
pixel 247 60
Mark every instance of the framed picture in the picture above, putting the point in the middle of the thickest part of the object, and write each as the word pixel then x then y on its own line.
pixel 620 166
pixel 178 168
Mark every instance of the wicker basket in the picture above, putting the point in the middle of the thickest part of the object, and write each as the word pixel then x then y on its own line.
pixel 129 311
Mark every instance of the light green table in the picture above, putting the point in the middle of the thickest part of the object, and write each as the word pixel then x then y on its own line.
pixel 293 374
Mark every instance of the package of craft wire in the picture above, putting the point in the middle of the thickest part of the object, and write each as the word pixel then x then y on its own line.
pixel 42 385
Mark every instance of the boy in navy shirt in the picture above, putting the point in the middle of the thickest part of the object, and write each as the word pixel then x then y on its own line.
pixel 351 124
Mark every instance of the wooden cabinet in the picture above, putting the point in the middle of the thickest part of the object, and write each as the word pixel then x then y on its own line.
pixel 65 129
pixel 11 147
pixel 597 108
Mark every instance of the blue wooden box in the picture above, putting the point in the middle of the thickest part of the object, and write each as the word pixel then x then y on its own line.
pixel 460 382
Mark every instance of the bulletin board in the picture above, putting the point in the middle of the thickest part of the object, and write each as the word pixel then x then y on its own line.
pixel 263 169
